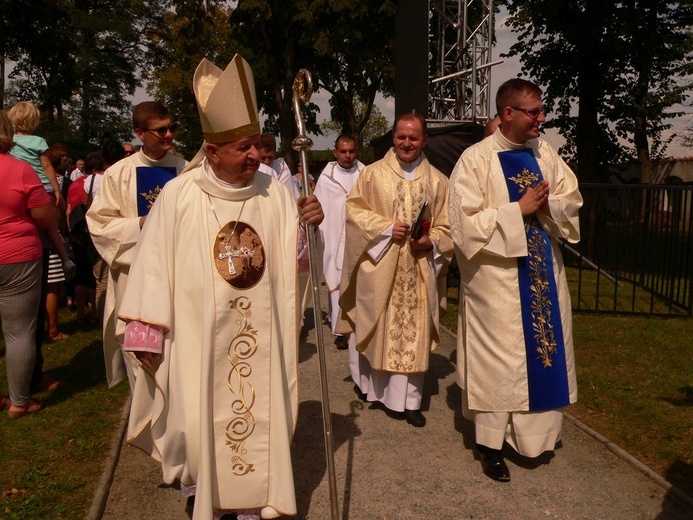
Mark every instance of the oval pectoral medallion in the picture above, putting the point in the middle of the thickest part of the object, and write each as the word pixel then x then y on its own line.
pixel 239 255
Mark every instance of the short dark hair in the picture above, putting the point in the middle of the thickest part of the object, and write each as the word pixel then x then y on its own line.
pixel 344 137
pixel 267 142
pixel 410 116
pixel 147 110
pixel 510 92
pixel 112 151
pixel 93 161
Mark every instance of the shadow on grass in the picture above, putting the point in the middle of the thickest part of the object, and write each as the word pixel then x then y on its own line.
pixel 84 370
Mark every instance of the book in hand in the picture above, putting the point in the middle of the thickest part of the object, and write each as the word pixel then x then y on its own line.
pixel 423 222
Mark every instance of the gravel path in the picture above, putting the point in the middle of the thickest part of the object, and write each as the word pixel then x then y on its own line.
pixel 387 469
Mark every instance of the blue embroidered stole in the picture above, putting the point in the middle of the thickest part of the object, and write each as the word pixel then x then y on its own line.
pixel 150 180
pixel 547 376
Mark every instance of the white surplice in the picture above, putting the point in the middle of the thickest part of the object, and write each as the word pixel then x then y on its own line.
pixel 115 229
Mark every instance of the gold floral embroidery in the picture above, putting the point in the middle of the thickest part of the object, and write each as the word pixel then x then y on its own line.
pixel 242 347
pixel 151 196
pixel 403 330
pixel 525 179
pixel 540 303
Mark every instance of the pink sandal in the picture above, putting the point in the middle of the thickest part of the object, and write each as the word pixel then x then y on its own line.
pixel 31 406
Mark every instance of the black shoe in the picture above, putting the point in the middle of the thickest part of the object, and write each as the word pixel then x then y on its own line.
pixel 359 393
pixel 493 465
pixel 415 418
pixel 341 342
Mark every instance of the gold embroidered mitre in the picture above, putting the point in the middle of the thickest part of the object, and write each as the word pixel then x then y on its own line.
pixel 226 100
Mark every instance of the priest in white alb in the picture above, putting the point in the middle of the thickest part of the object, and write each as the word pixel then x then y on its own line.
pixel 333 186
pixel 211 314
pixel 511 198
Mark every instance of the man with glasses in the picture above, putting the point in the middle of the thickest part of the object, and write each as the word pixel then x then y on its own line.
pixel 511 198
pixel 115 218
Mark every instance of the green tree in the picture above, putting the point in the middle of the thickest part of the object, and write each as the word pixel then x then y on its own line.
pixel 77 61
pixel 619 62
pixel 180 35
pixel 276 37
pixel 376 126
pixel 354 44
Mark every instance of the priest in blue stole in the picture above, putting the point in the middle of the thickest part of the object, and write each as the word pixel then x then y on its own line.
pixel 511 198
pixel 120 208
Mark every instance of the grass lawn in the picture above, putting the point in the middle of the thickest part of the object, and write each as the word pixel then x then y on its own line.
pixel 635 386
pixel 635 380
pixel 52 460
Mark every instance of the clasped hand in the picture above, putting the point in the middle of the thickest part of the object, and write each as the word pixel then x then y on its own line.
pixel 310 210
pixel 536 197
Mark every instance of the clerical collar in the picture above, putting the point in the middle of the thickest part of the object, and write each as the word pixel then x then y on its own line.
pixel 348 171
pixel 224 184
pixel 149 160
pixel 409 168
pixel 507 143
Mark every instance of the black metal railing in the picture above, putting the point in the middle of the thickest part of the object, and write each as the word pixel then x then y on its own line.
pixel 636 251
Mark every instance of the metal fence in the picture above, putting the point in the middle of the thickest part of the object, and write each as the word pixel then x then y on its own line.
pixel 636 251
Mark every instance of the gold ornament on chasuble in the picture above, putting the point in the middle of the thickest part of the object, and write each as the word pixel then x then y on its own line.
pixel 241 349
pixel 408 303
pixel 540 303
pixel 238 255
pixel 151 196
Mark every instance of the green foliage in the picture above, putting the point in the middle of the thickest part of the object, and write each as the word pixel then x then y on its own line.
pixel 52 460
pixel 179 37
pixel 78 62
pixel 624 64
pixel 354 45
pixel 376 124
pixel 634 385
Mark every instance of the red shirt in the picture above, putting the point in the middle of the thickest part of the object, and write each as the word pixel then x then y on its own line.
pixel 21 191
pixel 76 193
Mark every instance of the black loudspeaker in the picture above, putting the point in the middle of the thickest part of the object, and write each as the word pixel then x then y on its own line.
pixel 411 58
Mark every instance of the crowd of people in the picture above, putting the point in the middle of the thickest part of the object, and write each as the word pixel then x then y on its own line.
pixel 45 261
pixel 197 270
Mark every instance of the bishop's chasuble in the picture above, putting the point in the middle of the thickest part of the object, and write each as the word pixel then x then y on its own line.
pixel 216 269
pixel 393 305
pixel 114 224
pixel 515 342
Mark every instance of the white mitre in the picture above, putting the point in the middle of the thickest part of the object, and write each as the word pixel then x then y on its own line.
pixel 226 103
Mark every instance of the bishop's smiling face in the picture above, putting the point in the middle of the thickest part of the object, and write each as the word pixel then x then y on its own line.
pixel 235 161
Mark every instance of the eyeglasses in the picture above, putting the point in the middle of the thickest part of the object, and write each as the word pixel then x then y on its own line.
pixel 531 112
pixel 130 152
pixel 163 130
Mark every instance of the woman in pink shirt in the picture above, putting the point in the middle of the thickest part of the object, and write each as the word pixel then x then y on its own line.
pixel 24 204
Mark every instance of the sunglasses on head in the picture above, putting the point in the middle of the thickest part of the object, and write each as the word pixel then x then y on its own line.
pixel 163 130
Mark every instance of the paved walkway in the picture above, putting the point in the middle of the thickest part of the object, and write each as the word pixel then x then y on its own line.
pixel 387 469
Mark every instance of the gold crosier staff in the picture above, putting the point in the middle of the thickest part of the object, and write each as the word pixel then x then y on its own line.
pixel 303 89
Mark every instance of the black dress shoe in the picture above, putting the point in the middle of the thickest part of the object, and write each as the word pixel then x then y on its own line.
pixel 359 393
pixel 415 418
pixel 493 465
pixel 341 342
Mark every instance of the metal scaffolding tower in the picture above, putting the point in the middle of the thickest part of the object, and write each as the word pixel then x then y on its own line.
pixel 460 39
